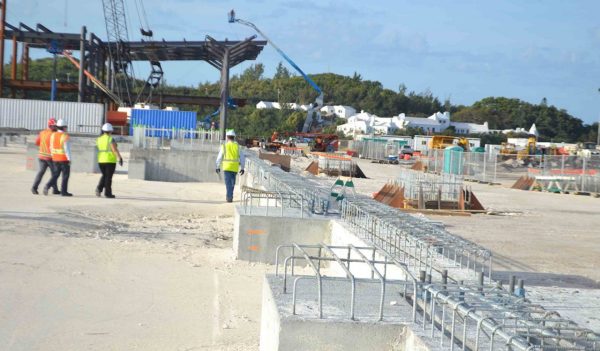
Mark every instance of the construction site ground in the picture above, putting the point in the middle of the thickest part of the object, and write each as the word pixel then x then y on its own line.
pixel 154 269
pixel 151 270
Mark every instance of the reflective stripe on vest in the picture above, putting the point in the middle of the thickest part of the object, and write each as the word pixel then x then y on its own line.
pixel 57 147
pixel 105 153
pixel 44 151
pixel 231 157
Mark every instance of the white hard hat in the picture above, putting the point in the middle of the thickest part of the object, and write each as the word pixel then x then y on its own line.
pixel 61 123
pixel 230 132
pixel 107 127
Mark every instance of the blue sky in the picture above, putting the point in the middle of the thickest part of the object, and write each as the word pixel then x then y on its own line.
pixel 463 50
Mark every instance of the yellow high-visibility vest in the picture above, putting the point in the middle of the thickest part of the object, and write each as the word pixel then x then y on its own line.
pixel 105 153
pixel 231 157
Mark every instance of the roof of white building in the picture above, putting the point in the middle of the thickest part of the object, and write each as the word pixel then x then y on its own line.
pixel 421 120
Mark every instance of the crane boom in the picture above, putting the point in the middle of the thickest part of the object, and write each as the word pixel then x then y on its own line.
pixel 94 80
pixel 318 101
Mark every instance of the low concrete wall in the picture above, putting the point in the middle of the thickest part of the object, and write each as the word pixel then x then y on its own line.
pixel 173 165
pixel 281 330
pixel 84 158
pixel 257 236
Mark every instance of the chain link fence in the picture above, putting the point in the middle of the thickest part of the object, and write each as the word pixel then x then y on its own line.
pixel 508 168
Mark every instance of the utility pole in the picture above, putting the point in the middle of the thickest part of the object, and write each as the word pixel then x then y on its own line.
pixel 2 21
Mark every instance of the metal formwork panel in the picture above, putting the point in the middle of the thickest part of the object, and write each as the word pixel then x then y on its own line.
pixel 82 118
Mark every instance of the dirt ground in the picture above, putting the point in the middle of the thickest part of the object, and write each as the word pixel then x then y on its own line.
pixel 151 270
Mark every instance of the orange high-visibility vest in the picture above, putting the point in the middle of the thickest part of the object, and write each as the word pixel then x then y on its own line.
pixel 44 152
pixel 57 146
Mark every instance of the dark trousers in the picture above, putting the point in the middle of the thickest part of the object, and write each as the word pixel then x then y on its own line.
pixel 229 183
pixel 45 164
pixel 107 169
pixel 63 168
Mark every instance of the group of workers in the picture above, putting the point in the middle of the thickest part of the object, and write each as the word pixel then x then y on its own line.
pixel 55 154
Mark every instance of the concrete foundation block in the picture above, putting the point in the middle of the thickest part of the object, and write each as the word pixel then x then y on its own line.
pixel 137 169
pixel 171 165
pixel 256 236
pixel 282 330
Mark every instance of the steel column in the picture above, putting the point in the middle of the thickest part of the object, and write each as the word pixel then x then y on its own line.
pixel 81 78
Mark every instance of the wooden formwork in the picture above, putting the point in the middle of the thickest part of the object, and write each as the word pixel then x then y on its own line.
pixel 393 195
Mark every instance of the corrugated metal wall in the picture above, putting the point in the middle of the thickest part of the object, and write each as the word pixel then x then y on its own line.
pixel 162 119
pixel 82 118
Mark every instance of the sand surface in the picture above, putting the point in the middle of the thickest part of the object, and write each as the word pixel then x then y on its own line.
pixel 151 270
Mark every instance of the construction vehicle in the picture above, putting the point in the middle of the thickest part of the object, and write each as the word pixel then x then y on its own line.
pixel 320 142
pixel 443 141
pixel 529 150
pixel 314 109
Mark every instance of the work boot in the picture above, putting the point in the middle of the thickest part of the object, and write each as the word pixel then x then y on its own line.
pixel 98 193
pixel 110 196
pixel 229 200
pixel 45 191
pixel 34 191
pixel 66 194
pixel 55 192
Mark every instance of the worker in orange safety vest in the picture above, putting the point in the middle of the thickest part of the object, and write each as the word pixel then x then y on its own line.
pixel 45 157
pixel 60 149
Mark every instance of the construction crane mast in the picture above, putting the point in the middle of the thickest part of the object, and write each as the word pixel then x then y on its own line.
pixel 123 80
pixel 116 30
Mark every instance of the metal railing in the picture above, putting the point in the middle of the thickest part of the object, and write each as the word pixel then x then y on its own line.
pixel 472 316
pixel 316 196
pixel 420 244
pixel 429 186
pixel 335 164
pixel 275 201
pixel 315 255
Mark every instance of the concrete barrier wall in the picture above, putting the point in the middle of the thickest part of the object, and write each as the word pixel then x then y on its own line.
pixel 256 237
pixel 173 165
pixel 84 158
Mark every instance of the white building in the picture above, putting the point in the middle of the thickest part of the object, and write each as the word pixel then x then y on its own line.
pixel 267 105
pixel 275 105
pixel 340 111
pixel 435 123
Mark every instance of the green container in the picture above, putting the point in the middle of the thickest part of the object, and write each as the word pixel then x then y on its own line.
pixel 453 159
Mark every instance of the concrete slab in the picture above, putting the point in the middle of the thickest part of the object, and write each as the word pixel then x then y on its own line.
pixel 256 236
pixel 282 330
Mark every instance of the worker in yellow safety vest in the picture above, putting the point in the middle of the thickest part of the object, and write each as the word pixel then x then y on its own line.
pixel 108 153
pixel 232 160
pixel 60 148
pixel 45 157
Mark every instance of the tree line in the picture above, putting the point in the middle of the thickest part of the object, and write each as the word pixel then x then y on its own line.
pixel 553 123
